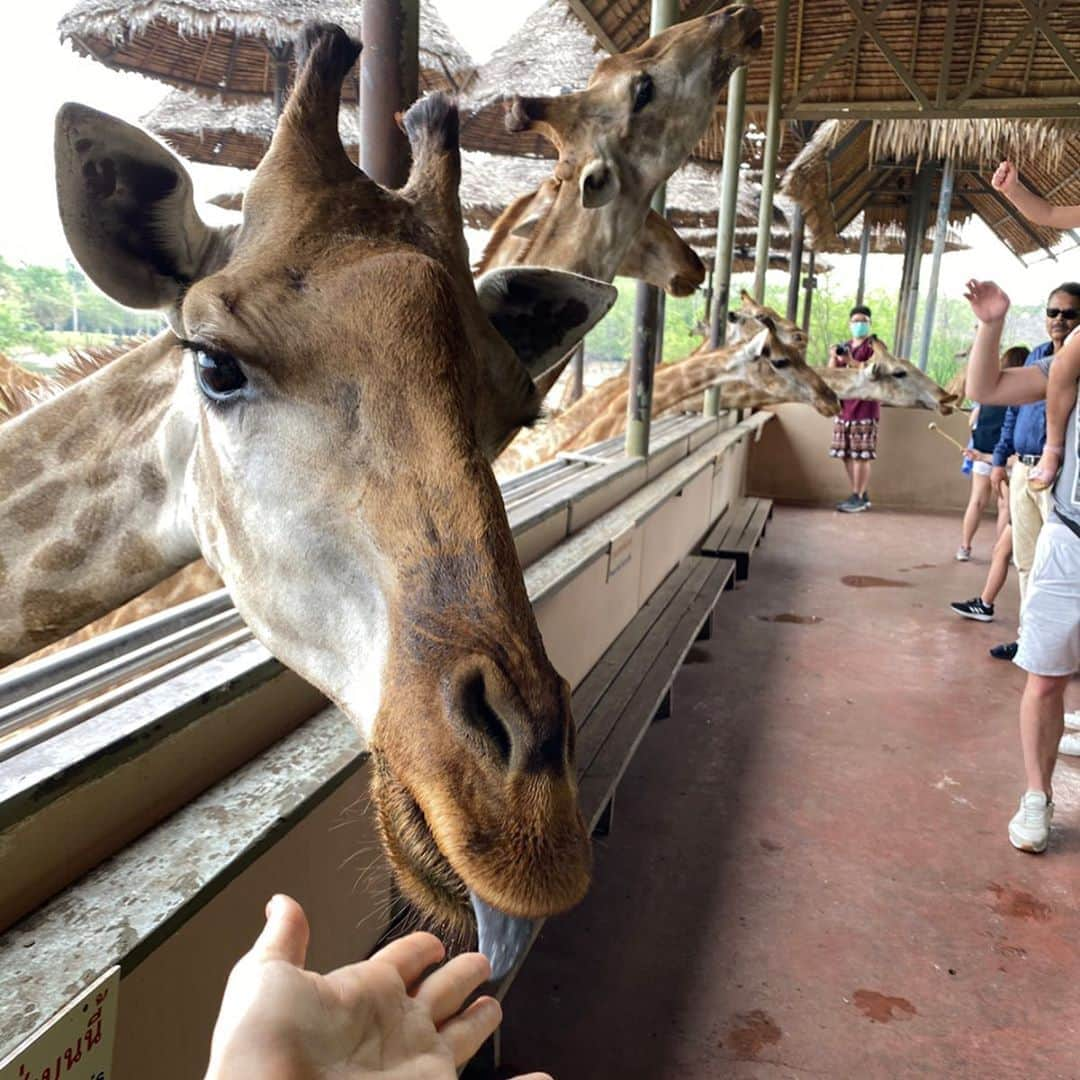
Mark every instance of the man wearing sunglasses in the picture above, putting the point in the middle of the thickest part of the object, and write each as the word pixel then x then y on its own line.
pixel 1023 433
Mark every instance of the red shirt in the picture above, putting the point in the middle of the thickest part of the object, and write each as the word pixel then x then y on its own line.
pixel 860 353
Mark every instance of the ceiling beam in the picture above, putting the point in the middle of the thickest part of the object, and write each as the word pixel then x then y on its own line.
pixel 582 12
pixel 947 53
pixel 979 109
pixel 974 210
pixel 1012 214
pixel 838 54
pixel 1038 19
pixel 903 73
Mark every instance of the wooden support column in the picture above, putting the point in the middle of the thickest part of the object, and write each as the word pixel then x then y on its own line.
pixel 941 234
pixel 808 298
pixel 798 231
pixel 773 134
pixel 648 308
pixel 725 218
pixel 864 251
pixel 389 81
pixel 921 213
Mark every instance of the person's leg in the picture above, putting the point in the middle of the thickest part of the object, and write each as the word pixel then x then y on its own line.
pixel 976 507
pixel 1027 520
pixel 1002 517
pixel 849 468
pixel 861 477
pixel 1060 399
pixel 999 567
pixel 1042 721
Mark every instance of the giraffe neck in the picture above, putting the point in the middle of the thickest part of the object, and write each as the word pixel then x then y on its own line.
pixel 92 497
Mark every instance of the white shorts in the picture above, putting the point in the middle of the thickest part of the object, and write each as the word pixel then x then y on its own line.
pixel 981 468
pixel 1050 630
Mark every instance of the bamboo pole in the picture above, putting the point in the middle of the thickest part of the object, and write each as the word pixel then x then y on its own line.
pixel 941 234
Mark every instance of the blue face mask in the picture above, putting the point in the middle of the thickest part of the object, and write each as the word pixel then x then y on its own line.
pixel 860 330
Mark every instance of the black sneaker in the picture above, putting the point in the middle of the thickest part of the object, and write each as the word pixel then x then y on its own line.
pixel 865 497
pixel 974 609
pixel 1005 652
pixel 853 504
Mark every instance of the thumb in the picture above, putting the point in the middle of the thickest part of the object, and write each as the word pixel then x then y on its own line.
pixel 286 933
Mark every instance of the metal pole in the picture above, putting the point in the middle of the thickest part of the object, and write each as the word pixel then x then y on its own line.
pixel 729 192
pixel 798 231
pixel 577 373
pixel 773 134
pixel 389 81
pixel 808 299
pixel 941 234
pixel 648 309
pixel 864 251
pixel 922 212
pixel 712 401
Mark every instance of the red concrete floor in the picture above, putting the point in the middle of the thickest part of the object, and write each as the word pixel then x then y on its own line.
pixel 809 873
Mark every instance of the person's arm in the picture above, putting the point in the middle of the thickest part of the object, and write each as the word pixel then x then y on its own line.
pixel 1034 207
pixel 974 418
pixel 986 382
pixel 1003 448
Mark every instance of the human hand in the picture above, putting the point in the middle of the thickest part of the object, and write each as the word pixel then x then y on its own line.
pixel 381 1017
pixel 1005 177
pixel 969 454
pixel 999 479
pixel 988 301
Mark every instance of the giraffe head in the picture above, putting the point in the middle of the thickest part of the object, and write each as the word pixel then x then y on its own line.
pixel 636 122
pixel 342 390
pixel 891 380
pixel 746 320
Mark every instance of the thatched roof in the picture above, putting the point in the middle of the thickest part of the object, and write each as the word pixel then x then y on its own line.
pixel 1032 76
pixel 224 46
pixel 851 166
pixel 211 131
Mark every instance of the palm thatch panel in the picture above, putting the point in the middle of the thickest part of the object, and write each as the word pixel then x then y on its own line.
pixel 915 31
pixel 228 47
pixel 851 167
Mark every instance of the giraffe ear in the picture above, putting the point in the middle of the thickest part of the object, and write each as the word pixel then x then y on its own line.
pixel 128 211
pixel 543 313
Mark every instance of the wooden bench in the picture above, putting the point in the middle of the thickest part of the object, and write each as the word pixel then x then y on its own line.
pixel 738 532
pixel 627 689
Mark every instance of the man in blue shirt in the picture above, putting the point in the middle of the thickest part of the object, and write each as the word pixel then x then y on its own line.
pixel 1023 434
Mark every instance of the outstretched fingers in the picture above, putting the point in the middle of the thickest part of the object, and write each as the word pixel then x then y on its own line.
pixel 412 955
pixel 468 1031
pixel 445 991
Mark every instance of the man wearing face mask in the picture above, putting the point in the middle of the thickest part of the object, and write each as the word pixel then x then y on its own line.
pixel 855 429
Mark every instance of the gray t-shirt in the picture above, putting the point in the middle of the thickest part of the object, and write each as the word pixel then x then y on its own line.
pixel 1067 488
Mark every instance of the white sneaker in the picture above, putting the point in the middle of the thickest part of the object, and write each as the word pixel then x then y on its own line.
pixel 1070 744
pixel 963 554
pixel 1029 830
pixel 1072 721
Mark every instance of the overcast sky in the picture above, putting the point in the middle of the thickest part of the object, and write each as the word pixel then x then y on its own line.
pixel 38 74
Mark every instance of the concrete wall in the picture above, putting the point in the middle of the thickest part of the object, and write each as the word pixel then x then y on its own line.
pixel 916 468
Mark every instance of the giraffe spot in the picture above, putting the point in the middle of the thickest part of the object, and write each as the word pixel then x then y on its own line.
pixel 880 1008
pixel 136 555
pixel 102 474
pixel 752 1033
pixel 49 614
pixel 37 508
pixel 152 483
pixel 90 522
pixel 59 556
pixel 78 443
pixel 20 470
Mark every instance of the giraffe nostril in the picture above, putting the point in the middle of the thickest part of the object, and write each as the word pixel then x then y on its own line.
pixel 482 720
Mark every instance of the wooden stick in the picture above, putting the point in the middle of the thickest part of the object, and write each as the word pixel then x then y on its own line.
pixel 946 435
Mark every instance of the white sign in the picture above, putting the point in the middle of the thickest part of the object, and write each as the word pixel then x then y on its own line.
pixel 77 1043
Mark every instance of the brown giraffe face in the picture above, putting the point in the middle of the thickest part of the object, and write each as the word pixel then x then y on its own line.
pixel 343 388
pixel 895 381
pixel 746 320
pixel 660 256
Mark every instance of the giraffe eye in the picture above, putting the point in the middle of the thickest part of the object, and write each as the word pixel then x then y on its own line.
pixel 781 362
pixel 219 375
pixel 644 93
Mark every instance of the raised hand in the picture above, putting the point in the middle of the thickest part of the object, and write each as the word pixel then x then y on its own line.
pixel 1005 177
pixel 988 301
pixel 382 1017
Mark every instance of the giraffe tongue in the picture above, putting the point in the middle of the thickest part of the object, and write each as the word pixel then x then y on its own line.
pixel 503 938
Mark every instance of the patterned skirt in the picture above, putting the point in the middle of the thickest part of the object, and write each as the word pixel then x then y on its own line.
pixel 855 439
